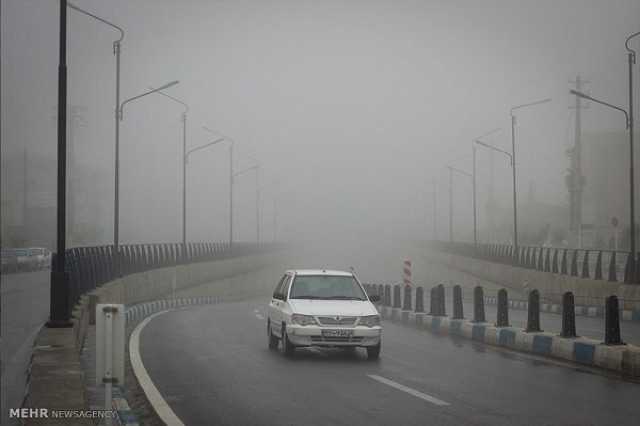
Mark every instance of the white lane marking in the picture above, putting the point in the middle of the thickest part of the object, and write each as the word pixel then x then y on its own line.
pixel 160 406
pixel 259 316
pixel 408 390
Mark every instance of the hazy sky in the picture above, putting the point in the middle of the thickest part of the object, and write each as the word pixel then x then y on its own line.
pixel 352 107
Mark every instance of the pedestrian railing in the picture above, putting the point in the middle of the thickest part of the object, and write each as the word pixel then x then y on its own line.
pixel 91 267
pixel 595 264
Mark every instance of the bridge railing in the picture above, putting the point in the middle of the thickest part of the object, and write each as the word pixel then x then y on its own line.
pixel 609 265
pixel 91 267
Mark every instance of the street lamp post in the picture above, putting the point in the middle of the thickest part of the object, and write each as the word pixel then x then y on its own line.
pixel 632 221
pixel 184 163
pixel 493 148
pixel 186 158
pixel 256 168
pixel 116 52
pixel 631 55
pixel 231 144
pixel 513 169
pixel 475 207
pixel 59 312
pixel 116 206
pixel 462 172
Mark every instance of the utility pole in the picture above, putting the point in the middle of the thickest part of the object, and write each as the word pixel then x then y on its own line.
pixel 435 211
pixel 450 204
pixel 492 199
pixel 575 182
pixel 59 312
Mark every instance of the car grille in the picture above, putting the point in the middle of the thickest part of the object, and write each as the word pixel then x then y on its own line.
pixel 336 339
pixel 337 320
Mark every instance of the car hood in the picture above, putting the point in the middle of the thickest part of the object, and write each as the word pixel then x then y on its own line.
pixel 332 307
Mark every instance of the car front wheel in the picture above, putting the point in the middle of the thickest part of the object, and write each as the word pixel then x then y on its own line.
pixel 288 348
pixel 373 352
pixel 273 340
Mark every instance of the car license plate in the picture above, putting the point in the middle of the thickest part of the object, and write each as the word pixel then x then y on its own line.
pixel 337 333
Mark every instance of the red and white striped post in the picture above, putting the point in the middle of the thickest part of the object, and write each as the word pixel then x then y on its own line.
pixel 406 273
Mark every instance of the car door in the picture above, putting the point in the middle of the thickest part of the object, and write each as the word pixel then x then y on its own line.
pixel 274 307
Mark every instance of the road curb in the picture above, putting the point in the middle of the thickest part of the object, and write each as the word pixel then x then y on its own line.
pixel 623 359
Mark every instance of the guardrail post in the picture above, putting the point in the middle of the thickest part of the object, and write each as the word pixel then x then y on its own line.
pixel 419 299
pixel 533 313
pixel 478 304
pixel 598 272
pixel 568 315
pixel 585 265
pixel 502 319
pixel 574 263
pixel 540 259
pixel 547 260
pixel 406 303
pixel 441 301
pixel 612 322
pixel 613 275
pixel 457 302
pixel 396 296
pixel 433 301
pixel 563 267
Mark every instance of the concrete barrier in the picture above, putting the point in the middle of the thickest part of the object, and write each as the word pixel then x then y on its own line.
pixel 57 381
pixel 624 359
pixel 588 292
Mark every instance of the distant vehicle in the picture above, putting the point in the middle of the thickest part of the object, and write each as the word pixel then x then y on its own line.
pixel 323 308
pixel 25 259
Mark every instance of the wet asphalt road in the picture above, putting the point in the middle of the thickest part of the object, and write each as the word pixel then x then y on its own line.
pixel 212 366
pixel 25 308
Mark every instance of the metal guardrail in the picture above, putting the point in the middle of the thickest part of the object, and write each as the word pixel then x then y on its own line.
pixel 584 263
pixel 91 267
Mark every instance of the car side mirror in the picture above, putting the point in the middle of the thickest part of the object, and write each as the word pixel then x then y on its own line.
pixel 374 298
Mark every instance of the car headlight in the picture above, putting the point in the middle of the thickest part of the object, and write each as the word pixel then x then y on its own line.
pixel 370 320
pixel 300 319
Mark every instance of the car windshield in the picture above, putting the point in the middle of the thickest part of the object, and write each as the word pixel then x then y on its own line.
pixel 328 287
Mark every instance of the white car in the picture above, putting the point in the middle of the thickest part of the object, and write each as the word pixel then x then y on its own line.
pixel 323 308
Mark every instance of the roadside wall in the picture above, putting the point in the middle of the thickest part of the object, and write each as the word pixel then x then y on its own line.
pixel 551 286
pixel 56 380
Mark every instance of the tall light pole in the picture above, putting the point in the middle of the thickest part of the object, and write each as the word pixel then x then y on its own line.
pixel 184 162
pixel 632 220
pixel 631 55
pixel 462 172
pixel 513 169
pixel 493 148
pixel 116 206
pixel 255 168
pixel 475 207
pixel 116 52
pixel 231 144
pixel 59 312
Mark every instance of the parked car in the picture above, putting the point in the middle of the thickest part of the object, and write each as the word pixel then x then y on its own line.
pixel 323 308
pixel 25 259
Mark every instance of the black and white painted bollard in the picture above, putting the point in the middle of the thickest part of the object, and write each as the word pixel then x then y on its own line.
pixel 568 315
pixel 433 301
pixel 419 312
pixel 387 295
pixel 502 319
pixel 457 303
pixel 442 311
pixel 533 313
pixel 396 297
pixel 612 322
pixel 478 304
pixel 406 304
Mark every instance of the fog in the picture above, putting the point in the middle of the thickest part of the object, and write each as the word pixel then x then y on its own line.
pixel 353 110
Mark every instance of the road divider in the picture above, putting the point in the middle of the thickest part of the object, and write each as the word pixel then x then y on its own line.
pixel 612 354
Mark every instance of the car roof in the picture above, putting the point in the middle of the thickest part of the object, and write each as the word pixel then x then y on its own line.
pixel 320 272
